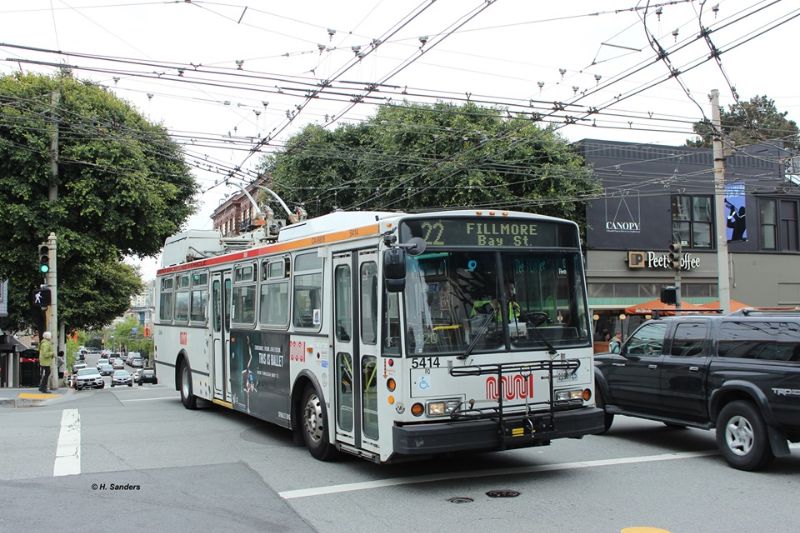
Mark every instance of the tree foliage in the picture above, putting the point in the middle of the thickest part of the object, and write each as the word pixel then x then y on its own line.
pixel 411 157
pixel 123 187
pixel 751 122
pixel 128 333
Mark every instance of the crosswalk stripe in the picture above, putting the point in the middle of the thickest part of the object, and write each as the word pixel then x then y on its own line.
pixel 68 449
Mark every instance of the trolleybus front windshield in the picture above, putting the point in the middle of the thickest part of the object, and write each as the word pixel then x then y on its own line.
pixel 516 299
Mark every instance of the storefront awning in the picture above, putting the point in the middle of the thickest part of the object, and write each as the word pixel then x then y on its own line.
pixel 648 307
pixel 735 305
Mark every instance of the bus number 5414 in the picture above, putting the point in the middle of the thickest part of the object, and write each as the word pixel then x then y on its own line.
pixel 425 362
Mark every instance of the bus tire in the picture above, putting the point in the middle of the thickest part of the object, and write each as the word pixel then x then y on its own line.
pixel 188 399
pixel 314 425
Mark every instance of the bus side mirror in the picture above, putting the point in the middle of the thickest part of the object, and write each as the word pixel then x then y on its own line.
pixel 394 269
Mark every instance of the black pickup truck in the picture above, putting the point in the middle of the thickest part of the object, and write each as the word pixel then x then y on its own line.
pixel 738 373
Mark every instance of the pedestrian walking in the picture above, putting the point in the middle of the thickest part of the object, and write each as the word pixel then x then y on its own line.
pixel 46 354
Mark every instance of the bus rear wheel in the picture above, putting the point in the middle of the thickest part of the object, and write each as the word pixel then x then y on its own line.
pixel 188 399
pixel 314 425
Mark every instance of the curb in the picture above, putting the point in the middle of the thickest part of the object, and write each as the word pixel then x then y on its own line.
pixel 29 399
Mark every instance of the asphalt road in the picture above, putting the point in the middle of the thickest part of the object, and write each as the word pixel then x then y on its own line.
pixel 146 463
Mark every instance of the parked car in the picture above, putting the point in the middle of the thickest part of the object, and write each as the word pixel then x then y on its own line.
pixel 122 377
pixel 89 378
pixel 738 373
pixel 105 369
pixel 147 375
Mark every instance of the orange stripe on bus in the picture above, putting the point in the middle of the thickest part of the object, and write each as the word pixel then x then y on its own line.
pixel 314 240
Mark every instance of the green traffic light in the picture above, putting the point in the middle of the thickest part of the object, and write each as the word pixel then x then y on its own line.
pixel 44 259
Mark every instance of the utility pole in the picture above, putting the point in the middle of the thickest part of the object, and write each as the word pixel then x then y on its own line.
pixel 52 277
pixel 52 311
pixel 720 220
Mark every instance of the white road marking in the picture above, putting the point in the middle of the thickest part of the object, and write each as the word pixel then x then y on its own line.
pixel 68 449
pixel 365 485
pixel 149 399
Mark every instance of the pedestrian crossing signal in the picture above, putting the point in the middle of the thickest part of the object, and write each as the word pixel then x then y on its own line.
pixel 669 295
pixel 41 297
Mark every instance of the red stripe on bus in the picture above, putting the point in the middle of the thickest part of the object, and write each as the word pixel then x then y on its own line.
pixel 315 240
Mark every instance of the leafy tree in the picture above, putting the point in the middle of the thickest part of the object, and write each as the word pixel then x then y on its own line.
pixel 123 187
pixel 121 333
pixel 750 122
pixel 418 156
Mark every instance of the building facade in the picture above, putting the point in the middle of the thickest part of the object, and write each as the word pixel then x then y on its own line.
pixel 655 195
pixel 237 213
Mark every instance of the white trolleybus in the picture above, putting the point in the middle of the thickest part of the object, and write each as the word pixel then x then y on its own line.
pixel 387 335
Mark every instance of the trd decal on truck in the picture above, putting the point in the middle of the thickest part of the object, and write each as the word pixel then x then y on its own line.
pixel 786 392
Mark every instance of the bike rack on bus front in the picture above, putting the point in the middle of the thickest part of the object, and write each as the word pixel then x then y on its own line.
pixel 532 422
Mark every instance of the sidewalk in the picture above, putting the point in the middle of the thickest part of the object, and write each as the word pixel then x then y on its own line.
pixel 28 397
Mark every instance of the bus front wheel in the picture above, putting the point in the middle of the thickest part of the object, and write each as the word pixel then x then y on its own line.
pixel 188 399
pixel 314 425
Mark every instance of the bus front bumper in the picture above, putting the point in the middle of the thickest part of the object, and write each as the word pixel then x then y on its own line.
pixel 514 432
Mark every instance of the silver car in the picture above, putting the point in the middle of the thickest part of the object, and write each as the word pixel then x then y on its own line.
pixel 122 377
pixel 89 378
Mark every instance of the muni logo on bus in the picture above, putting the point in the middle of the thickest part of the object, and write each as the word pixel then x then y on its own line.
pixel 515 386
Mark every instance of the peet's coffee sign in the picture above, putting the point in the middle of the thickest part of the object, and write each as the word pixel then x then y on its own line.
pixel 660 261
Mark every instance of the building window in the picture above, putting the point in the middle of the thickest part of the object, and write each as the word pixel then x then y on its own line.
pixel 692 221
pixel 788 226
pixel 699 290
pixel 769 225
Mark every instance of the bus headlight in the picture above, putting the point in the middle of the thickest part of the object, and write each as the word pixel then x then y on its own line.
pixel 570 394
pixel 442 407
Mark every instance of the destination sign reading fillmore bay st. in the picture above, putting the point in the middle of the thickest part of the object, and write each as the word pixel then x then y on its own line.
pixel 487 232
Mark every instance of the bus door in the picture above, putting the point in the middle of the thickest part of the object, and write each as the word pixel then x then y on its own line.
pixel 355 285
pixel 220 333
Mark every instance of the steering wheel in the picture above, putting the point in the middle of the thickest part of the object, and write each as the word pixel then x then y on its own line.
pixel 537 317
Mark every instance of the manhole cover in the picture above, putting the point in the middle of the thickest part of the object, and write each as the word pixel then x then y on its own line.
pixel 502 494
pixel 460 499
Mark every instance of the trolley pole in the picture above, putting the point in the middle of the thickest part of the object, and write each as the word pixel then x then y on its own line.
pixel 720 220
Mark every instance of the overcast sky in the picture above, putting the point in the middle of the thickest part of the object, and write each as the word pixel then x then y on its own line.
pixel 227 77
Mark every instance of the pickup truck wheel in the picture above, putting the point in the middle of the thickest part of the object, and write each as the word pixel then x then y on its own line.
pixel 742 436
pixel 608 418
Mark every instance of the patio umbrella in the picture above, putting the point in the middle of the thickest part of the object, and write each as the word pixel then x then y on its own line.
pixel 735 305
pixel 657 305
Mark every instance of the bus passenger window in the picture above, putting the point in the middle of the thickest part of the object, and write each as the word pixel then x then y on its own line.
pixel 307 301
pixel 182 306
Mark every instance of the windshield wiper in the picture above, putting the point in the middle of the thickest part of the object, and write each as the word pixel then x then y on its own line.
pixel 550 349
pixel 474 341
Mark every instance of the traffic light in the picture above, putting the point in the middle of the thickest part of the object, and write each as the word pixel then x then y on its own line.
pixel 669 295
pixel 675 255
pixel 44 259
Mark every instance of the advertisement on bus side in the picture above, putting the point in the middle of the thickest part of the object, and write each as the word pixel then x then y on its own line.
pixel 259 369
